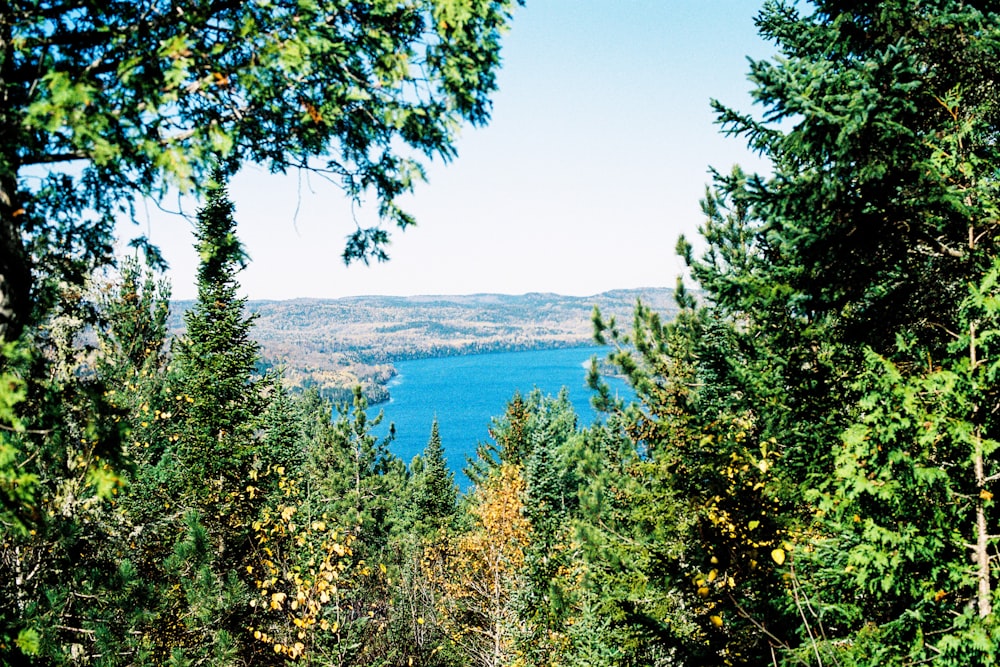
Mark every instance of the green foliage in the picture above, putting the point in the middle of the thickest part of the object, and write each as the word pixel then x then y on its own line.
pixel 434 494
pixel 525 422
pixel 144 99
pixel 105 105
pixel 910 505
pixel 808 474
pixel 354 468
pixel 17 494
pixel 834 293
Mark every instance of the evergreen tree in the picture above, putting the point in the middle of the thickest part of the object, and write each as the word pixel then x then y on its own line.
pixel 435 493
pixel 541 604
pixel 510 442
pixel 216 360
pixel 57 507
pixel 856 251
pixel 354 469
pixel 881 125
pixel 192 501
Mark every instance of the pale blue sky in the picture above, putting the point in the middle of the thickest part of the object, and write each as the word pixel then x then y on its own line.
pixel 593 164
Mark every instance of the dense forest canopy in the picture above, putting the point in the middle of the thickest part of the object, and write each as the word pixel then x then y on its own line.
pixel 806 477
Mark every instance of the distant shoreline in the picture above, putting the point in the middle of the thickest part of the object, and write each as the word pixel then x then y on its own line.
pixel 333 345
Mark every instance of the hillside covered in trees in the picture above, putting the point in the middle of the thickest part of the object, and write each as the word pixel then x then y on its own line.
pixel 807 476
pixel 335 344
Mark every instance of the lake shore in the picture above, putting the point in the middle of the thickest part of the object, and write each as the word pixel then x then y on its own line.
pixel 334 345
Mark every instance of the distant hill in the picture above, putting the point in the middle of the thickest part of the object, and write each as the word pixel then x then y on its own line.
pixel 335 344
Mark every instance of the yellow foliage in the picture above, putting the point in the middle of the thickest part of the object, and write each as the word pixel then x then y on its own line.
pixel 306 565
pixel 476 572
pixel 739 513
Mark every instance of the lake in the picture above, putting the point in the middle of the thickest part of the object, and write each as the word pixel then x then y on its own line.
pixel 465 392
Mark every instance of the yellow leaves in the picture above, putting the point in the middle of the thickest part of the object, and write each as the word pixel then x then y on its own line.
pixel 985 495
pixel 298 572
pixel 500 509
pixel 778 556
pixel 716 620
pixel 474 573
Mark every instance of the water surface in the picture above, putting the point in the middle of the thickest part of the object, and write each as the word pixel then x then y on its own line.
pixel 464 392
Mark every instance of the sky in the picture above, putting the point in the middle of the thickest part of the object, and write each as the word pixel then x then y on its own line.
pixel 593 163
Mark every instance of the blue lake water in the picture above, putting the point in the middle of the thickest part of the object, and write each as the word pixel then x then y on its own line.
pixel 465 392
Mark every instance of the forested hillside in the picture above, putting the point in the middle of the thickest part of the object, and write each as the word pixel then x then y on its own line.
pixel 335 344
pixel 808 474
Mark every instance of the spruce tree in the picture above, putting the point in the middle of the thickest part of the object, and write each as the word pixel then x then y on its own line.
pixel 197 539
pixel 834 378
pixel 435 493
pixel 216 359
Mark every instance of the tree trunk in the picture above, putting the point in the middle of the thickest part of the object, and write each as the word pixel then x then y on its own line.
pixel 15 273
pixel 15 268
pixel 982 556
pixel 981 548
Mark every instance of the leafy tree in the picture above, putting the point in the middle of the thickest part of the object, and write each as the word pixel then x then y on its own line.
pixel 53 544
pixel 216 359
pixel 880 125
pixel 680 526
pixel 109 103
pixel 197 443
pixel 135 308
pixel 477 574
pixel 354 468
pixel 510 442
pixel 305 604
pixel 116 101
pixel 909 515
pixel 524 422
